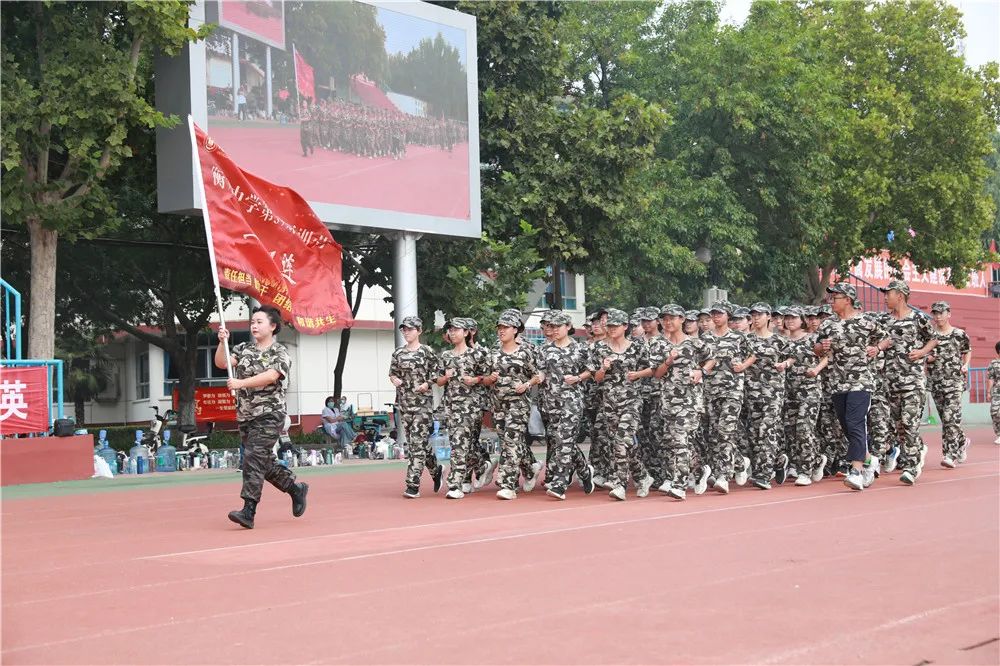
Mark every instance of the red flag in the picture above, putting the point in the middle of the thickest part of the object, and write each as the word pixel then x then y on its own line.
pixel 304 79
pixel 269 244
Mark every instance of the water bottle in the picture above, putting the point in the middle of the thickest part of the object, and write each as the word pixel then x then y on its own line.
pixel 108 454
pixel 439 444
pixel 137 456
pixel 166 457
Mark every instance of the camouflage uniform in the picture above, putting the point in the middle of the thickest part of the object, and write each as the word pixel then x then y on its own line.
pixel 679 403
pixel 948 383
pixel 648 435
pixel 621 403
pixel 849 370
pixel 414 368
pixel 880 437
pixel 511 409
pixel 993 373
pixel 724 399
pixel 907 384
pixel 562 409
pixel 803 397
pixel 260 413
pixel 464 407
pixel 479 456
pixel 765 395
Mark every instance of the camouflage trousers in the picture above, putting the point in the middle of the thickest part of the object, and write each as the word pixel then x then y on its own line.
pixel 995 411
pixel 478 456
pixel 764 422
pixel 307 138
pixel 600 444
pixel 880 438
pixel 623 423
pixel 650 437
pixel 419 452
pixel 832 441
pixel 949 405
pixel 723 419
pixel 561 430
pixel 510 418
pixel 463 437
pixel 259 463
pixel 802 407
pixel 679 428
pixel 906 409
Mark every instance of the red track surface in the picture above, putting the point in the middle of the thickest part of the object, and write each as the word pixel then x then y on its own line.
pixel 428 181
pixel 813 575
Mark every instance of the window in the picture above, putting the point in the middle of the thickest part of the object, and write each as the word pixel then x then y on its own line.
pixel 207 373
pixel 142 376
pixel 568 293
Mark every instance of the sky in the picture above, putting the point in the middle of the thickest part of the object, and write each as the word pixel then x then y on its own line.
pixel 403 32
pixel 981 18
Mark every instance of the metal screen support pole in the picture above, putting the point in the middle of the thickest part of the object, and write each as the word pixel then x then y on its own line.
pixel 404 279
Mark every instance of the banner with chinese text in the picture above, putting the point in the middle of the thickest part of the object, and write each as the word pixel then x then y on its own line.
pixel 877 271
pixel 269 244
pixel 24 400
pixel 211 403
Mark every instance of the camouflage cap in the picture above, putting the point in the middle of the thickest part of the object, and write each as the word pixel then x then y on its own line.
pixel 721 306
pixel 706 312
pixel 473 325
pixel 940 306
pixel 411 322
pixel 898 285
pixel 691 315
pixel 778 311
pixel 559 318
pixel 761 306
pixel 739 312
pixel 672 310
pixel 458 322
pixel 546 317
pixel 649 313
pixel 510 318
pixel 825 310
pixel 811 310
pixel 596 314
pixel 794 311
pixel 844 288
pixel 617 317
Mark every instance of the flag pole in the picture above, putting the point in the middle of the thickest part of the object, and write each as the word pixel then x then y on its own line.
pixel 295 74
pixel 208 237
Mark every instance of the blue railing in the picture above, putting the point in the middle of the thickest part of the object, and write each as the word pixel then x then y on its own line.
pixel 11 321
pixel 55 367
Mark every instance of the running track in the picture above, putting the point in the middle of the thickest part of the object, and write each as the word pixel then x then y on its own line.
pixel 428 181
pixel 816 575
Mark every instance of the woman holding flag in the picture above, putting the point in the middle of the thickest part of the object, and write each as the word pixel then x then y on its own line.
pixel 260 370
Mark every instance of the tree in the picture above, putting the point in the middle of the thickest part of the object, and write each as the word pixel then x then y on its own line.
pixel 89 369
pixel 433 72
pixel 75 79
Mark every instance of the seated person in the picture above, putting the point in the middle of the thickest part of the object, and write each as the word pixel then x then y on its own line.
pixel 336 423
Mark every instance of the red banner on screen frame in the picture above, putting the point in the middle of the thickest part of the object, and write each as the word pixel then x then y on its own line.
pixel 263 20
pixel 24 400
pixel 211 403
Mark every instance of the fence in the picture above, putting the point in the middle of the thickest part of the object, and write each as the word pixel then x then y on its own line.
pixel 11 321
pixel 55 367
pixel 977 385
pixel 873 298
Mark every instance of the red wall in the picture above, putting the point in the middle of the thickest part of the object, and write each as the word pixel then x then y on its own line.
pixel 45 459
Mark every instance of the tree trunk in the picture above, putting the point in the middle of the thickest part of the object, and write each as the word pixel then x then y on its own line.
pixel 79 411
pixel 187 382
pixel 345 340
pixel 557 292
pixel 817 278
pixel 42 306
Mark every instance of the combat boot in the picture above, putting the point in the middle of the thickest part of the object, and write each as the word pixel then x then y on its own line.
pixel 298 493
pixel 244 516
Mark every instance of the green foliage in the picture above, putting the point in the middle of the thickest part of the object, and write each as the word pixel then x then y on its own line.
pixel 433 72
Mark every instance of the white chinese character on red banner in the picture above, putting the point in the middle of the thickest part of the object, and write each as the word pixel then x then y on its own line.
pixel 12 401
pixel 287 265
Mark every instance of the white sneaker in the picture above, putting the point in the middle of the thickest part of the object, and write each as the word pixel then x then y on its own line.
pixel 643 488
pixel 701 485
pixel 876 465
pixel 963 453
pixel 665 487
pixel 793 473
pixel 743 475
pixel 803 480
pixel 455 493
pixel 536 469
pixel 891 459
pixel 908 477
pixel 677 493
pixel 947 462
pixel 721 486
pixel 467 488
pixel 923 459
pixel 997 440
pixel 691 481
pixel 555 493
pixel 854 480
pixel 486 478
pixel 506 494
pixel 617 493
pixel 869 472
pixel 598 480
pixel 817 474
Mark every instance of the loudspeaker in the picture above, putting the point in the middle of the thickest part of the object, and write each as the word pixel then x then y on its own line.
pixel 63 427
